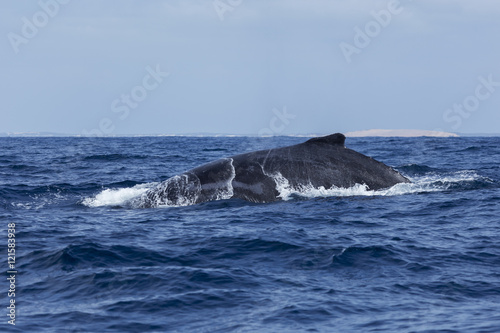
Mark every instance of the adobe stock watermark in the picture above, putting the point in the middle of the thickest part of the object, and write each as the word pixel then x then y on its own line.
pixel 372 29
pixel 223 6
pixel 278 123
pixel 460 111
pixel 11 273
pixel 121 106
pixel 31 27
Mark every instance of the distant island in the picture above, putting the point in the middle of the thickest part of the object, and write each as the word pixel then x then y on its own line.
pixel 400 133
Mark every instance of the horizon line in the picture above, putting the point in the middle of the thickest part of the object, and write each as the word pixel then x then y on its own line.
pixel 203 134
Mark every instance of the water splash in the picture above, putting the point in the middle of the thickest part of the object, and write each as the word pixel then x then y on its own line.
pixel 425 183
pixel 227 191
pixel 117 197
pixel 433 182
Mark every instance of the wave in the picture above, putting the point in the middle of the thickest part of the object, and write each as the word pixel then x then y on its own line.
pixel 90 255
pixel 416 169
pixel 214 149
pixel 113 157
pixel 428 181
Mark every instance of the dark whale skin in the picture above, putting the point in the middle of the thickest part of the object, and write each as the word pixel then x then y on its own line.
pixel 318 162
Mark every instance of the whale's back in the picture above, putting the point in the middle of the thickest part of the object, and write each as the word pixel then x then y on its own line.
pixel 323 161
pixel 256 176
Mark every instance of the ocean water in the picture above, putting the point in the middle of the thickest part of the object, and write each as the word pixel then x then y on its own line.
pixel 420 257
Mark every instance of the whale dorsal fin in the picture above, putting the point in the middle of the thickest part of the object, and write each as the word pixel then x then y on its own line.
pixel 332 139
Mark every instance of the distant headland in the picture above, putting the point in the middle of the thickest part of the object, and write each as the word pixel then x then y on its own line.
pixel 400 133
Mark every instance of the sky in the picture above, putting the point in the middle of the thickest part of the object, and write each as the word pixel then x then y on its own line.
pixel 249 67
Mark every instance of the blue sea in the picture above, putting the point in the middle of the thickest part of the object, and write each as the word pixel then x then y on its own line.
pixel 420 257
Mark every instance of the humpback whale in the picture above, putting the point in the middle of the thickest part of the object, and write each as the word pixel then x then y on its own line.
pixel 256 176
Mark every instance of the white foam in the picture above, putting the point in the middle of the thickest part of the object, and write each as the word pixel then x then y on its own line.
pixel 431 182
pixel 117 197
pixel 282 186
pixel 422 184
pixel 187 193
pixel 188 190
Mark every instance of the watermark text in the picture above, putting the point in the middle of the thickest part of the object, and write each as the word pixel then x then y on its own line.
pixel 277 123
pixel 11 273
pixel 223 6
pixel 364 36
pixel 122 105
pixel 460 111
pixel 31 27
